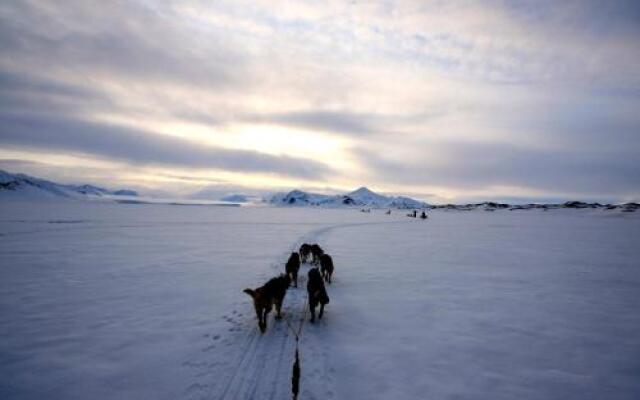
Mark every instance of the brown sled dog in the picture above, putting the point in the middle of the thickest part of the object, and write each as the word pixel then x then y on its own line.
pixel 326 267
pixel 265 297
pixel 292 267
pixel 317 293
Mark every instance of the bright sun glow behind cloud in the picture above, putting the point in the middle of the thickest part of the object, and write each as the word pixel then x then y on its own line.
pixel 263 138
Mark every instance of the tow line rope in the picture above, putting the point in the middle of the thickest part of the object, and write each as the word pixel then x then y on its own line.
pixel 295 374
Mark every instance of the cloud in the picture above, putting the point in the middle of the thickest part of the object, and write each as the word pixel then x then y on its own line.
pixel 481 166
pixel 147 45
pixel 12 82
pixel 347 123
pixel 24 93
pixel 141 148
pixel 330 121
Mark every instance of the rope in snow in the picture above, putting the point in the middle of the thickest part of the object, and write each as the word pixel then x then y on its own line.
pixel 298 332
pixel 295 376
pixel 295 373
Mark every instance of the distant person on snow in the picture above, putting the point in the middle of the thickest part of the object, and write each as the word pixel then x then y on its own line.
pixel 423 215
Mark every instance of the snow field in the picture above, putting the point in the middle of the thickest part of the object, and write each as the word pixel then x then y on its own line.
pixel 145 301
pixel 479 305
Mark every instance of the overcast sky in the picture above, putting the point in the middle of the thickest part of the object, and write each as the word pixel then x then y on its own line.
pixel 444 100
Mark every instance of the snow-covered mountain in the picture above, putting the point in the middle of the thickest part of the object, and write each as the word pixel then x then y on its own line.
pixel 300 198
pixel 237 198
pixel 25 186
pixel 362 197
pixel 365 196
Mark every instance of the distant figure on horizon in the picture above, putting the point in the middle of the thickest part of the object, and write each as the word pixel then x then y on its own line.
pixel 388 212
pixel 423 215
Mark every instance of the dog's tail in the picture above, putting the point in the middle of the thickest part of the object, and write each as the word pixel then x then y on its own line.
pixel 250 292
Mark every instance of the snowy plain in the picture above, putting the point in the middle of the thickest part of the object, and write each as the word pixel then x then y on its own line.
pixel 132 301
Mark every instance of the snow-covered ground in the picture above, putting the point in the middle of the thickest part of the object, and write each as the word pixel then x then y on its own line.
pixel 132 301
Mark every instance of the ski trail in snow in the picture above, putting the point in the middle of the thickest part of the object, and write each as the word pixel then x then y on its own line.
pixel 263 363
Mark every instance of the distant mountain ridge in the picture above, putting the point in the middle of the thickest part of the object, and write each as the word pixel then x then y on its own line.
pixel 493 206
pixel 236 198
pixel 23 185
pixel 362 197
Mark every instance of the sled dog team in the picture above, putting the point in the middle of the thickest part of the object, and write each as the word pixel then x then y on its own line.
pixel 272 293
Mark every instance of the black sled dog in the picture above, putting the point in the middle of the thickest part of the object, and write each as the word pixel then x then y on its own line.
pixel 316 252
pixel 292 267
pixel 305 252
pixel 326 267
pixel 317 293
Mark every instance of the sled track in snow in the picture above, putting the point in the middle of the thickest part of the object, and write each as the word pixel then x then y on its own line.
pixel 263 368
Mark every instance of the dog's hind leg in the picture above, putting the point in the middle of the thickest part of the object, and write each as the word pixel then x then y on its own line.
pixel 312 309
pixel 263 322
pixel 259 316
pixel 321 311
pixel 278 308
